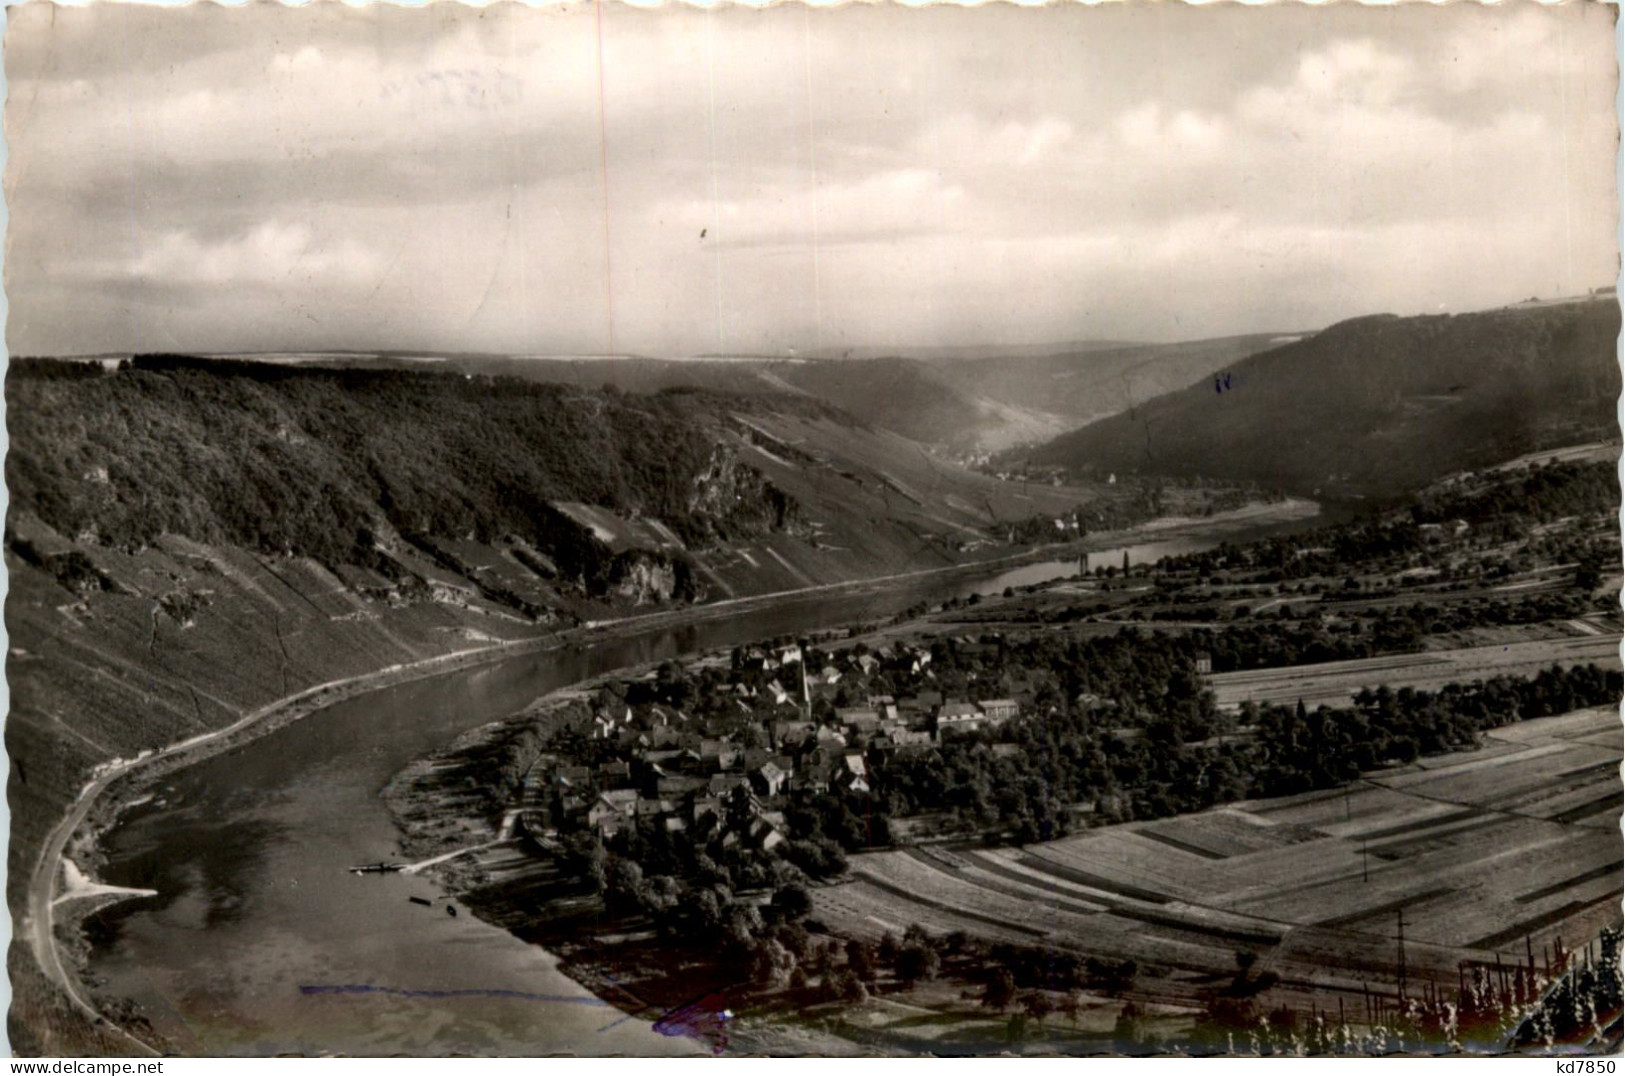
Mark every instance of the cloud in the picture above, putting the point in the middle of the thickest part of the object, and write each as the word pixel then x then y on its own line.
pixel 879 208
pixel 1147 128
pixel 965 140
pixel 522 179
pixel 274 254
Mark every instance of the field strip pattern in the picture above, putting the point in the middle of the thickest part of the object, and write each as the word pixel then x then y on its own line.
pixel 941 906
pixel 1447 818
pixel 1409 901
pixel 1182 846
pixel 1589 810
pixel 1407 846
pixel 1093 881
pixel 1530 926
pixel 1022 890
pixel 1341 680
pixel 1193 924
pixel 1479 850
pixel 1611 870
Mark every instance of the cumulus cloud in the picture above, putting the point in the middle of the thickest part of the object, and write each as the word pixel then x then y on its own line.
pixel 681 181
pixel 273 253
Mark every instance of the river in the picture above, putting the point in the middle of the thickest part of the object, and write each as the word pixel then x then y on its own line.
pixel 261 942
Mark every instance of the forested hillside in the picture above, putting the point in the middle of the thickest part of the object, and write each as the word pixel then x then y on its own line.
pixel 344 465
pixel 1088 384
pixel 189 541
pixel 1376 406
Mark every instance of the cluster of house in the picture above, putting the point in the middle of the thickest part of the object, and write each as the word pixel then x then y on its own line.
pixel 674 769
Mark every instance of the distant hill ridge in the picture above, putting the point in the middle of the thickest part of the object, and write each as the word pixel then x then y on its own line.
pixel 968 400
pixel 1377 405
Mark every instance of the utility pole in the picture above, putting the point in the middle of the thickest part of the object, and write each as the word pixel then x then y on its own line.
pixel 1402 954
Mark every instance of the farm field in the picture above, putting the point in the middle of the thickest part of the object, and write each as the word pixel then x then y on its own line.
pixel 1337 682
pixel 1492 854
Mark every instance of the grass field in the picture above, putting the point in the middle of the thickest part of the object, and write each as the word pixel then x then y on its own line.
pixel 1336 682
pixel 1491 854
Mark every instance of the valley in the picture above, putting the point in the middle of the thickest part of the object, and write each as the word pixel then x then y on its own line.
pixel 998 531
pixel 174 596
pixel 1124 796
pixel 171 575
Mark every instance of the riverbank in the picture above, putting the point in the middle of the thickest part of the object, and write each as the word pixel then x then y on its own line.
pixel 436 805
pixel 116 787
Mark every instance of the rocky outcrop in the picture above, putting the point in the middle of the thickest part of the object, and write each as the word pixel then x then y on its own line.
pixel 737 500
pixel 645 577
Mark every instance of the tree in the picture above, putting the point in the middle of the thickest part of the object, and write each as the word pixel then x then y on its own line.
pixel 1128 1028
pixel 1587 575
pixel 706 910
pixel 586 851
pixel 623 885
pixel 663 898
pixel 842 985
pixel 792 903
pixel 916 961
pixel 917 934
pixel 1000 991
pixel 860 958
pixel 771 963
pixel 1037 1005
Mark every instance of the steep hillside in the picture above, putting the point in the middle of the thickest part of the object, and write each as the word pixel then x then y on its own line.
pixel 576 496
pixel 904 396
pixel 965 400
pixel 189 541
pixel 1376 406
pixel 915 399
pixel 1091 383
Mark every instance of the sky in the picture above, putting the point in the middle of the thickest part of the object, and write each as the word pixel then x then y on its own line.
pixel 604 179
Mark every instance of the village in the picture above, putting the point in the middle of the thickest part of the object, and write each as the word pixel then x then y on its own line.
pixel 774 723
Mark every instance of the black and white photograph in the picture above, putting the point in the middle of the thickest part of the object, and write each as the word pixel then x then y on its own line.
pixel 599 529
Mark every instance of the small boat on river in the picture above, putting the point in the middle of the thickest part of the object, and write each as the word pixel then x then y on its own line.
pixel 377 868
